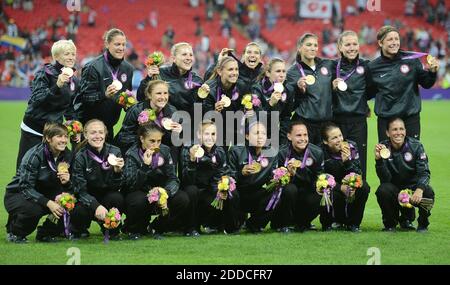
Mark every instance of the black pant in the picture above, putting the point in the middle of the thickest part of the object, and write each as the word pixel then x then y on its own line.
pixel 387 197
pixel 139 212
pixel 24 216
pixel 346 213
pixel 412 125
pixel 27 141
pixel 82 215
pixel 307 207
pixel 255 202
pixel 355 128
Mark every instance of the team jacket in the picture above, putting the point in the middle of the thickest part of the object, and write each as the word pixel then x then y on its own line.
pixel 316 103
pixel 214 84
pixel 95 78
pixel 205 172
pixel 127 135
pixel 239 157
pixel 48 102
pixel 142 177
pixel 353 101
pixel 395 83
pixel 36 179
pixel 183 93
pixel 91 180
pixel 337 168
pixel 305 177
pixel 407 167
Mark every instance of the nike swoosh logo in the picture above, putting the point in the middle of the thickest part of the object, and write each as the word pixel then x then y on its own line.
pixel 383 75
pixel 88 169
pixel 105 78
pixel 42 167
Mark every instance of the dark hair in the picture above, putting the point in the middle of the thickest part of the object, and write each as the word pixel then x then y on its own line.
pixel 393 119
pixel 295 123
pixel 383 31
pixel 326 127
pixel 150 127
pixel 304 37
pixel 52 129
pixel 151 85
pixel 110 34
pixel 268 67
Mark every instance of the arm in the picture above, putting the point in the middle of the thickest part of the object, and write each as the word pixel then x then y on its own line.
pixel 189 167
pixel 173 183
pixel 422 168
pixel 90 90
pixel 235 169
pixel 80 183
pixel 29 171
pixel 426 78
pixel 42 89
pixel 135 174
pixel 141 90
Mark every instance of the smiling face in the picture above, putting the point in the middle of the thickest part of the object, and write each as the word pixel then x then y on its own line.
pixel 252 56
pixel 299 137
pixel 309 48
pixel 208 135
pixel 67 57
pixel 257 135
pixel 95 134
pixel 183 58
pixel 229 72
pixel 334 139
pixel 349 47
pixel 151 140
pixel 57 143
pixel 159 96
pixel 277 72
pixel 390 44
pixel 396 133
pixel 116 46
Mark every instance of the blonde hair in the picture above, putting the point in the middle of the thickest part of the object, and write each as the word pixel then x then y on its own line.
pixel 220 65
pixel 110 34
pixel 253 44
pixel 345 34
pixel 152 84
pixel 85 130
pixel 61 46
pixel 177 46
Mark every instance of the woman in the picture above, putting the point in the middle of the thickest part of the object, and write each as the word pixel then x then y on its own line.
pixel 102 81
pixel 310 80
pixel 157 98
pixel 250 66
pixel 98 179
pixel 350 94
pixel 395 78
pixel 342 158
pixel 52 94
pixel 149 165
pixel 252 167
pixel 43 174
pixel 305 163
pixel 225 93
pixel 401 163
pixel 275 97
pixel 183 81
pixel 201 174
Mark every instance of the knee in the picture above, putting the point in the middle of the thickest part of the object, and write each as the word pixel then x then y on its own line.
pixel 180 199
pixel 136 200
pixel 192 191
pixel 290 192
pixel 386 190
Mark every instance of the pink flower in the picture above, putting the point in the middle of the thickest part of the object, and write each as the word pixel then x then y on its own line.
pixel 143 117
pixel 232 184
pixel 255 101
pixel 331 181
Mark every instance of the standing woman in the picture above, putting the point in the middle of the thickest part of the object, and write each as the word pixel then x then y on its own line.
pixel 43 174
pixel 252 169
pixel 97 176
pixel 102 81
pixel 149 165
pixel 203 166
pixel 310 80
pixel 396 76
pixel 157 99
pixel 183 81
pixel 225 93
pixel 52 94
pixel 350 94
pixel 341 158
pixel 275 97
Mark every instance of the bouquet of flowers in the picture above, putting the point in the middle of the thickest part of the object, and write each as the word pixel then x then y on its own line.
pixel 160 196
pixel 146 115
pixel 325 183
pixel 250 100
pixel 126 99
pixel 155 58
pixel 74 128
pixel 67 201
pixel 112 220
pixel 225 187
pixel 352 181
pixel 404 200
pixel 281 177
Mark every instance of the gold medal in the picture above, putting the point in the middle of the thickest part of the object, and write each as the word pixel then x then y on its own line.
pixel 257 166
pixel 202 93
pixel 430 59
pixel 342 86
pixel 67 71
pixel 344 144
pixel 199 152
pixel 112 159
pixel 310 79
pixel 226 101
pixel 167 124
pixel 63 167
pixel 278 87
pixel 385 153
pixel 295 163
pixel 117 85
pixel 156 149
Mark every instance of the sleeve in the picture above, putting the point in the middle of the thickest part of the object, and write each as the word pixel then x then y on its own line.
pixel 189 168
pixel 209 102
pixel 42 89
pixel 140 95
pixel 371 89
pixel 72 111
pixel 127 134
pixel 425 78
pixel 422 168
pixel 209 72
pixel 353 164
pixel 80 183
pixel 90 91
pixel 135 174
pixel 382 170
pixel 235 168
pixel 223 169
pixel 29 171
pixel 173 183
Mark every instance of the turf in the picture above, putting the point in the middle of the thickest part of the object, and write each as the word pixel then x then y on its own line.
pixel 268 248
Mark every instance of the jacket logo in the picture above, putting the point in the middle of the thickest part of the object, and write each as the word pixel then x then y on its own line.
pixel 360 70
pixel 423 156
pixel 408 156
pixel 72 86
pixel 383 75
pixel 160 161
pixel 404 68
pixel 324 70
pixel 309 161
pixel 123 77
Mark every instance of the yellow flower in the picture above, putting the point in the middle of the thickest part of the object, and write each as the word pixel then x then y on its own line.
pixel 131 100
pixel 225 180
pixel 248 105
pixel 322 177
